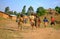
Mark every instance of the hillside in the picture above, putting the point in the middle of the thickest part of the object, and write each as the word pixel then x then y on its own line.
pixel 8 23
pixel 9 30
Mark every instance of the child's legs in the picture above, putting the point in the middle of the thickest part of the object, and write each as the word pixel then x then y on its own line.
pixel 38 24
pixel 52 23
pixel 45 24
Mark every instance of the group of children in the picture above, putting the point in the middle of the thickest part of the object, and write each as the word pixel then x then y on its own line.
pixel 34 20
pixel 46 21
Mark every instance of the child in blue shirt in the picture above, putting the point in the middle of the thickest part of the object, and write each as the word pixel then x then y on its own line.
pixel 45 21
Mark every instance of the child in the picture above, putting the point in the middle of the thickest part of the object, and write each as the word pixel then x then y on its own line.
pixel 32 20
pixel 20 23
pixel 45 21
pixel 52 21
pixel 39 21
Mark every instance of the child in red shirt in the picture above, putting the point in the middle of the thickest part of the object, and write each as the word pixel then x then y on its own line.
pixel 52 20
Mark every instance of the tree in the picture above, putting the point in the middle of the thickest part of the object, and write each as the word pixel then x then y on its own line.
pixel 7 9
pixel 15 13
pixel 10 13
pixel 24 10
pixel 30 10
pixel 57 9
pixel 40 11
pixel 18 14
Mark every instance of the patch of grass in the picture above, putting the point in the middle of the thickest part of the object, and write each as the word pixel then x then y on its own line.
pixel 7 34
pixel 1 18
pixel 2 24
pixel 57 27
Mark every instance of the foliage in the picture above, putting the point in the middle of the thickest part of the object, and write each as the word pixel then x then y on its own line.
pixel 15 13
pixel 30 10
pixel 24 10
pixel 40 11
pixel 57 9
pixel 10 12
pixel 18 14
pixel 7 9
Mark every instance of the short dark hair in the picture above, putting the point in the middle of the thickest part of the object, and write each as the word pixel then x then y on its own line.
pixel 51 17
pixel 44 17
pixel 21 15
pixel 32 14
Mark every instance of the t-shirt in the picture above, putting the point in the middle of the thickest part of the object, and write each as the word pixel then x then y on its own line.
pixel 52 19
pixel 45 20
pixel 32 18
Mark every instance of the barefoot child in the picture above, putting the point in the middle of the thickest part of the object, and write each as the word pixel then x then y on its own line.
pixel 32 20
pixel 39 22
pixel 52 21
pixel 20 23
pixel 45 21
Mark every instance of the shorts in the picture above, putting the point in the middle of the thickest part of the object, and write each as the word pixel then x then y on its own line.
pixel 52 23
pixel 46 23
pixel 32 23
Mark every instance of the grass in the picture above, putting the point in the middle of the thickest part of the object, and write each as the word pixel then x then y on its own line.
pixel 57 27
pixel 2 23
pixel 7 34
pixel 2 18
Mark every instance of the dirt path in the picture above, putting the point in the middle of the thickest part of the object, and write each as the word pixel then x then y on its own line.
pixel 43 33
pixel 28 33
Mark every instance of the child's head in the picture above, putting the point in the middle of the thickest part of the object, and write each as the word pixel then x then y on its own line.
pixel 21 15
pixel 51 17
pixel 44 17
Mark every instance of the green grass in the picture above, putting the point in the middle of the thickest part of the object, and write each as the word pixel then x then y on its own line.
pixel 7 34
pixel 1 18
pixel 57 27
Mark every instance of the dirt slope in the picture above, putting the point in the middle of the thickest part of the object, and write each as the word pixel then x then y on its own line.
pixel 27 32
pixel 44 33
pixel 8 23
